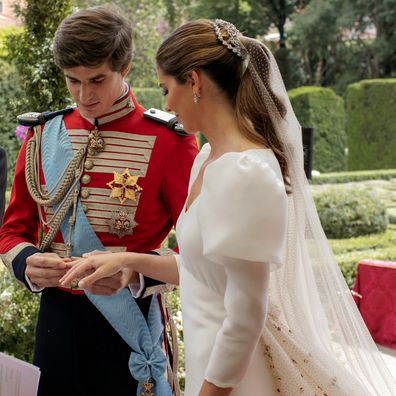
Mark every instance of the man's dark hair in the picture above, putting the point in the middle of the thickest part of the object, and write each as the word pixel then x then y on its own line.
pixel 92 37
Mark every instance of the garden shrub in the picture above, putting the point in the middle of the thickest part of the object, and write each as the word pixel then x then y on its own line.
pixel 149 97
pixel 347 212
pixel 349 252
pixel 353 176
pixel 18 317
pixel 371 124
pixel 323 110
pixel 9 92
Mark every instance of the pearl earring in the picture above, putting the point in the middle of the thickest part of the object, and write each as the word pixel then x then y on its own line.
pixel 196 97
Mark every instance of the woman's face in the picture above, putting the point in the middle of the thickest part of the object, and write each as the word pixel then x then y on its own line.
pixel 179 100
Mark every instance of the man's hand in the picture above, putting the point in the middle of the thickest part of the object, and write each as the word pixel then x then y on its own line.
pixel 114 284
pixel 45 269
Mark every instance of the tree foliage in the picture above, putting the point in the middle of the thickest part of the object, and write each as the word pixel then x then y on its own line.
pixel 279 11
pixel 30 51
pixel 248 15
pixel 361 14
pixel 149 26
pixel 330 39
pixel 176 12
pixel 10 91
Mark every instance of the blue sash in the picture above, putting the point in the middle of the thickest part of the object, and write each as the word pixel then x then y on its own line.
pixel 147 360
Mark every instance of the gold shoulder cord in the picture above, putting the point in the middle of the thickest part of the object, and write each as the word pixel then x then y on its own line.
pixel 173 371
pixel 66 189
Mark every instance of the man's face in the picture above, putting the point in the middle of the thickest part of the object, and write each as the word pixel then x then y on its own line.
pixel 94 89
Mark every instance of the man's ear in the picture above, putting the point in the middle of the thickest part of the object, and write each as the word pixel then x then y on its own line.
pixel 125 71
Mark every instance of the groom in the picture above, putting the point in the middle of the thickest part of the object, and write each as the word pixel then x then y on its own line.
pixel 128 184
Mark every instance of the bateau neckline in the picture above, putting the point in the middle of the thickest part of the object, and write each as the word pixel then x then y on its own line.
pixel 209 149
pixel 187 210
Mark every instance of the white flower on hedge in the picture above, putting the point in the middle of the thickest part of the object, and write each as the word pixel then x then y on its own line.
pixel 6 295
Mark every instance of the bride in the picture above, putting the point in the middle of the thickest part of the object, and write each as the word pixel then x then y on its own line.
pixel 265 308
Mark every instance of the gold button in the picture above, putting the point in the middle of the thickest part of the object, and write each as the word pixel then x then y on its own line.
pixel 85 208
pixel 85 179
pixel 84 193
pixel 88 164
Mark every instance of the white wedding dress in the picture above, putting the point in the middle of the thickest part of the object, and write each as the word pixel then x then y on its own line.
pixel 230 237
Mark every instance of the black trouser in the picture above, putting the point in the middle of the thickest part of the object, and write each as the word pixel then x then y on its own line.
pixel 78 351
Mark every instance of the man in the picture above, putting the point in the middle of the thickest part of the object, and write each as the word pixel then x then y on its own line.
pixel 3 181
pixel 102 172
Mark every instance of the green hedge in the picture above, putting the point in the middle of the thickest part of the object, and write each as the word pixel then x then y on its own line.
pixel 149 97
pixel 347 212
pixel 355 176
pixel 371 124
pixel 321 109
pixel 18 317
pixel 349 252
pixel 9 92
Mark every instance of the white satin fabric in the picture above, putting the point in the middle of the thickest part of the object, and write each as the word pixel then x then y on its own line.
pixel 230 238
pixel 227 248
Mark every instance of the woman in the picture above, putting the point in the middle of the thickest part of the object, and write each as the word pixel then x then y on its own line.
pixel 249 211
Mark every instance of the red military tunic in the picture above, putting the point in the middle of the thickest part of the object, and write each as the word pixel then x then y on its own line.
pixel 158 161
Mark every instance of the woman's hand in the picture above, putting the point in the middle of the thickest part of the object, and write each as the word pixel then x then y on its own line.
pixel 105 273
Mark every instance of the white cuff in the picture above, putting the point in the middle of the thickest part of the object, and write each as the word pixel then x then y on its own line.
pixel 137 288
pixel 33 287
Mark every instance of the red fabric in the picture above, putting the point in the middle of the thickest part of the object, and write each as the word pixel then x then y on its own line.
pixel 164 186
pixel 376 284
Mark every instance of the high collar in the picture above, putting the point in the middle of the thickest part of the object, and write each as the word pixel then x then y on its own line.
pixel 121 107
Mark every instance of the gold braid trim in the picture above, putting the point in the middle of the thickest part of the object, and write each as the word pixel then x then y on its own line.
pixel 175 350
pixel 8 257
pixel 159 289
pixel 32 173
pixel 162 288
pixel 67 188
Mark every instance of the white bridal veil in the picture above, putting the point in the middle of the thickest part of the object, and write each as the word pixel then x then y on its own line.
pixel 314 300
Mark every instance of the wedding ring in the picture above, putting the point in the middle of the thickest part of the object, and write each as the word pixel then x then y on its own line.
pixel 74 283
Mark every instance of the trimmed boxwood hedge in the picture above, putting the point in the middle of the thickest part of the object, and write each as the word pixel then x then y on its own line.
pixel 349 252
pixel 149 97
pixel 18 317
pixel 347 212
pixel 321 109
pixel 346 177
pixel 371 124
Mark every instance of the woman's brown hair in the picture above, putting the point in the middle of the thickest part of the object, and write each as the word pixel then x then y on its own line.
pixel 194 46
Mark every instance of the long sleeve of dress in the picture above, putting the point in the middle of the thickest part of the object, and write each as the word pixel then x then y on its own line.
pixel 243 229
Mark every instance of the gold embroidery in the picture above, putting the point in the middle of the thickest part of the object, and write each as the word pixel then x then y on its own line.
pixel 124 186
pixel 147 387
pixel 159 289
pixel 96 143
